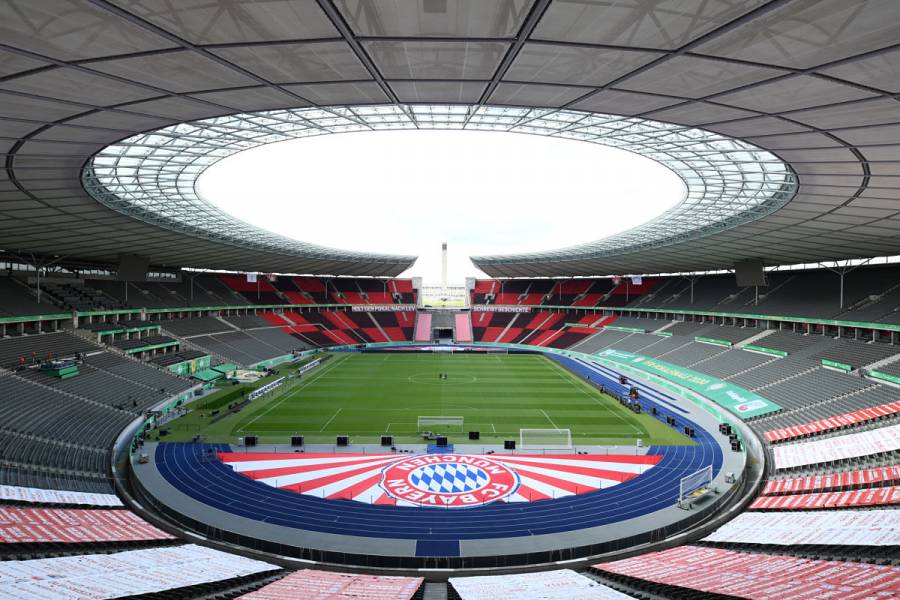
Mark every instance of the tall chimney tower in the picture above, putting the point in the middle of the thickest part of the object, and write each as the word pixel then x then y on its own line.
pixel 444 265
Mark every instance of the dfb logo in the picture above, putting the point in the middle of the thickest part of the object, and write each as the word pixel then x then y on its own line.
pixel 449 480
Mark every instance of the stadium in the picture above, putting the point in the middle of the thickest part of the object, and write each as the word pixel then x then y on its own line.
pixel 702 404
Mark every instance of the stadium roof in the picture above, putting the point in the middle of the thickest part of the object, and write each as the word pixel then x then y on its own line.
pixel 813 83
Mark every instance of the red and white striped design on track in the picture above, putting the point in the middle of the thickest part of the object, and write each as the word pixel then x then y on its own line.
pixel 445 480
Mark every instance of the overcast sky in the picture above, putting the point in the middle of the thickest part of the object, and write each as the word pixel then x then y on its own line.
pixel 405 192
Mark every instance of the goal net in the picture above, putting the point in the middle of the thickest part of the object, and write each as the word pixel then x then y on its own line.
pixel 440 424
pixel 545 439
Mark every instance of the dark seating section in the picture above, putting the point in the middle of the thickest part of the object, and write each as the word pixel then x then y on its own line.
pixel 45 428
pixel 565 293
pixel 110 379
pixel 99 327
pixel 51 478
pixel 726 333
pixel 248 321
pixel 397 326
pixel 484 291
pixel 871 294
pixel 140 294
pixel 41 346
pixel 58 432
pixel 149 340
pixel 402 291
pixel 892 368
pixel 17 299
pixel 609 338
pixel 489 326
pixel 539 328
pixel 217 292
pixel 260 291
pixel 141 374
pixel 336 326
pixel 173 358
pixel 238 346
pixel 808 393
pixel 194 326
pixel 314 290
pixel 647 325
pixel 733 362
pixel 80 296
pixel 856 354
pixel 687 328
pixel 275 337
pixel 694 354
pixel 569 292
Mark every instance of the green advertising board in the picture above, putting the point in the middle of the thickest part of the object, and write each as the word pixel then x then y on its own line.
pixel 151 347
pixel 836 365
pixel 707 340
pixel 273 362
pixel 188 367
pixel 629 329
pixel 741 402
pixel 763 350
pixel 885 377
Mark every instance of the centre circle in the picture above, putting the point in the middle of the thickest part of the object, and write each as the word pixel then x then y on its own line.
pixel 432 378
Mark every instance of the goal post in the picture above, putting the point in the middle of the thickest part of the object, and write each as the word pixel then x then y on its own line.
pixel 545 439
pixel 440 424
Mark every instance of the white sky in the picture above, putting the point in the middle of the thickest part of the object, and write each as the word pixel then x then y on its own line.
pixel 405 192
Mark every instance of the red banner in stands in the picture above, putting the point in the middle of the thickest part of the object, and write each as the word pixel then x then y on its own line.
pixel 868 497
pixel 836 422
pixel 863 477
pixel 323 584
pixel 74 526
pixel 746 575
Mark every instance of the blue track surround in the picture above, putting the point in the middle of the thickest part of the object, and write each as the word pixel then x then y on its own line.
pixel 438 532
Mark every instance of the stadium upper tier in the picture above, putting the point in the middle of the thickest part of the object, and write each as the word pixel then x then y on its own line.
pixel 79 77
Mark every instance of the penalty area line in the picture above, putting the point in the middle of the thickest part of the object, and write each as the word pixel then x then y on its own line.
pixel 331 419
pixel 549 419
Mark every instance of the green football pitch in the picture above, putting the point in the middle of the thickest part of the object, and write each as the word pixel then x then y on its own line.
pixel 369 395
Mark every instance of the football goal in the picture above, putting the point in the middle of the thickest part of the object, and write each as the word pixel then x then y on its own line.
pixel 545 439
pixel 440 424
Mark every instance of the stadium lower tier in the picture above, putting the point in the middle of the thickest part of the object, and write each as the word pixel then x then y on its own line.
pixel 469 507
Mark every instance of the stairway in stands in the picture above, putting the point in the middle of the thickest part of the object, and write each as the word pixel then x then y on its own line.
pixel 423 327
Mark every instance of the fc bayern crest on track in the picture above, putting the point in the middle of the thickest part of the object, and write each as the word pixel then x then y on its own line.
pixel 450 480
pixel 439 480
